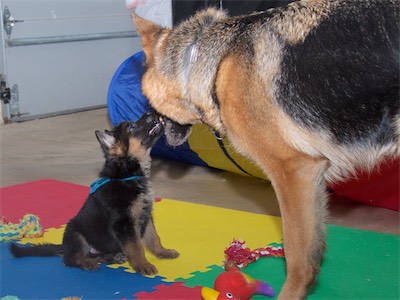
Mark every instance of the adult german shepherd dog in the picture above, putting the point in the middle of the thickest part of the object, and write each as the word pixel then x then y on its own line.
pixel 309 92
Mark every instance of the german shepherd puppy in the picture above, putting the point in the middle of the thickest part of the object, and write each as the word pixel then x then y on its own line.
pixel 117 215
pixel 309 92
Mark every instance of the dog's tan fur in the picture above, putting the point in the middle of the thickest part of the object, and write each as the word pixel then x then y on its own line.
pixel 301 18
pixel 284 165
pixel 205 71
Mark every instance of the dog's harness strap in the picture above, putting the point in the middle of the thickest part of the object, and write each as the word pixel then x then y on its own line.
pixel 222 146
pixel 102 181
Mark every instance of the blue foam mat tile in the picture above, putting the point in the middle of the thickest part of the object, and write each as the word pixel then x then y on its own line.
pixel 47 278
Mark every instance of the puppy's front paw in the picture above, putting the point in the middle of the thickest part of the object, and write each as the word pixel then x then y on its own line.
pixel 168 254
pixel 146 269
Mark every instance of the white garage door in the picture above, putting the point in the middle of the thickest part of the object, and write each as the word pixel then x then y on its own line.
pixel 59 55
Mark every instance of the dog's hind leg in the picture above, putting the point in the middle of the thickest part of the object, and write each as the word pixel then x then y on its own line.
pixel 299 185
pixel 153 243
pixel 76 250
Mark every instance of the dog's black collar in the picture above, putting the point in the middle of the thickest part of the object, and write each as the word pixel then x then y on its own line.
pixel 102 181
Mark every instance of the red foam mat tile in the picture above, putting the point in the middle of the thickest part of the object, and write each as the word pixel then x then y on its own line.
pixel 55 202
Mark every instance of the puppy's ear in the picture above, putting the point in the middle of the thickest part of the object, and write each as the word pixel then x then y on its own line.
pixel 148 32
pixel 106 139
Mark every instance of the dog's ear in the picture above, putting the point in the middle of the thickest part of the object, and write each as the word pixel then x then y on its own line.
pixel 106 139
pixel 175 133
pixel 148 32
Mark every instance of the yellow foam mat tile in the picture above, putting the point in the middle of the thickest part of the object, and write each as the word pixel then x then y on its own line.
pixel 51 235
pixel 200 233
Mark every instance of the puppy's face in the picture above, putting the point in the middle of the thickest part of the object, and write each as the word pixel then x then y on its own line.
pixel 132 139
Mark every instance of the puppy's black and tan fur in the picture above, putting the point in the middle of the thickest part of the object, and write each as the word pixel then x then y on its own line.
pixel 117 216
pixel 309 92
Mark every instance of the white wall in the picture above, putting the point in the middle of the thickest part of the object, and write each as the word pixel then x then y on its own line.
pixel 2 55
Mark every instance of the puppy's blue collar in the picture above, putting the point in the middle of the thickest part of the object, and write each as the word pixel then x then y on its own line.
pixel 102 181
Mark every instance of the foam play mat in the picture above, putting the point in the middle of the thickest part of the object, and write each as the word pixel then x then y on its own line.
pixel 358 264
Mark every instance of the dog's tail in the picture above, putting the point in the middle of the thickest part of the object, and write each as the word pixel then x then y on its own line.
pixel 36 250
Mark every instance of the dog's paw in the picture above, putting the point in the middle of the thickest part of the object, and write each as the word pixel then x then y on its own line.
pixel 168 254
pixel 90 264
pixel 146 269
pixel 119 258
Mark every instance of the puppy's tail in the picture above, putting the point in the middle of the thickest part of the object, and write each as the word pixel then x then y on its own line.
pixel 36 250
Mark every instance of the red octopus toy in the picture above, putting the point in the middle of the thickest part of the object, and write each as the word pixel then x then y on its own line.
pixel 234 284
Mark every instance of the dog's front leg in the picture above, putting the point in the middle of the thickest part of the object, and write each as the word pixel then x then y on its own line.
pixel 300 188
pixel 153 243
pixel 136 257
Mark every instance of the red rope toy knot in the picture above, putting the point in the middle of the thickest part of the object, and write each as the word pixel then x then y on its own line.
pixel 242 255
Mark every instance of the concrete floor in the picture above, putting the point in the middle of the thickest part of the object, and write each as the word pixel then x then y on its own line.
pixel 65 148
